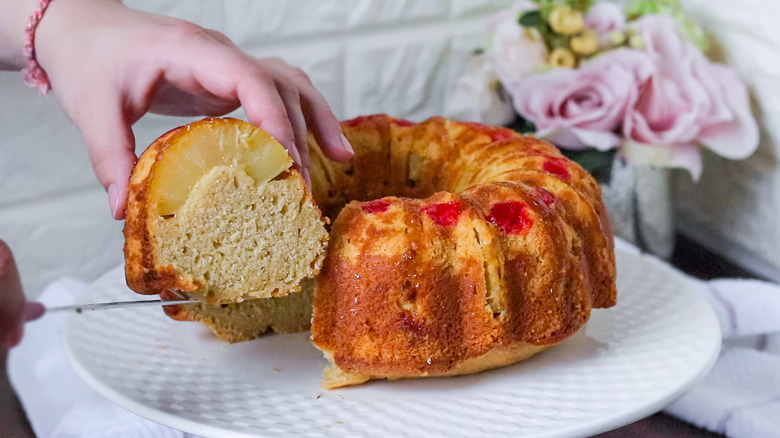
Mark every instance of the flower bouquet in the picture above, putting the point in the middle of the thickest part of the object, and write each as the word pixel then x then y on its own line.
pixel 606 79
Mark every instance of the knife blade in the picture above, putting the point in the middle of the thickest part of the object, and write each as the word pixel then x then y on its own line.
pixel 78 308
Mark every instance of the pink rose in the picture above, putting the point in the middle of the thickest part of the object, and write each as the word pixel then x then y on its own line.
pixel 688 100
pixel 605 18
pixel 584 107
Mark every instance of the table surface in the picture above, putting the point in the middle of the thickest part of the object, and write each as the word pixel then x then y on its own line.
pixel 688 256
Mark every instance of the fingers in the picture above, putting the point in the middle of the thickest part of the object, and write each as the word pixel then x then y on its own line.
pixel 324 125
pixel 278 98
pixel 33 310
pixel 178 102
pixel 316 112
pixel 205 74
pixel 295 115
pixel 224 71
pixel 111 146
pixel 12 300
pixel 265 107
pixel 292 102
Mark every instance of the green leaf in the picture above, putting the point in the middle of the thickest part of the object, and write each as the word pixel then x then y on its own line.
pixel 530 19
pixel 695 33
pixel 639 8
pixel 597 163
pixel 546 9
pixel 522 125
pixel 580 5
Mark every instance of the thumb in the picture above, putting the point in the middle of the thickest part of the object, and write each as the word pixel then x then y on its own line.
pixel 33 310
pixel 12 300
pixel 111 147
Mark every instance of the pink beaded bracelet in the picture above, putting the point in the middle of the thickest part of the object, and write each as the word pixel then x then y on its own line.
pixel 33 74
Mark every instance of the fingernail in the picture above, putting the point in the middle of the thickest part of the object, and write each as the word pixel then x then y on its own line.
pixel 33 310
pixel 306 175
pixel 113 199
pixel 345 144
pixel 294 153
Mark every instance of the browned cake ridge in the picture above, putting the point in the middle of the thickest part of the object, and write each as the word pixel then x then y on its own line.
pixel 455 247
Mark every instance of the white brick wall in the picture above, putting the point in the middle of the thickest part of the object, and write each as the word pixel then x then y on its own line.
pixel 366 56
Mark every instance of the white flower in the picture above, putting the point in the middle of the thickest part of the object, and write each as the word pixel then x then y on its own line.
pixel 516 52
pixel 477 96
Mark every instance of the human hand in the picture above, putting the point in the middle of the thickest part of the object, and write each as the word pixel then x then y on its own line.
pixel 14 308
pixel 110 69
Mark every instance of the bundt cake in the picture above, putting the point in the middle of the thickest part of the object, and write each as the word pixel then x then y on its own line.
pixel 216 212
pixel 244 321
pixel 455 248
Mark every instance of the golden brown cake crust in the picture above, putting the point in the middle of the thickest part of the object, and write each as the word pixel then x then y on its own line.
pixel 336 377
pixel 151 268
pixel 456 247
pixel 142 272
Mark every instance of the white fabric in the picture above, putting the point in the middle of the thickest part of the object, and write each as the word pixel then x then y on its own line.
pixel 740 397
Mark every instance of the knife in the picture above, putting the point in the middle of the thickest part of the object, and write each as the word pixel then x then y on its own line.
pixel 78 308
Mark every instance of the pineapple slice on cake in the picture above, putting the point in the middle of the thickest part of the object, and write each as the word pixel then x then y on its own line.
pixel 192 151
pixel 216 211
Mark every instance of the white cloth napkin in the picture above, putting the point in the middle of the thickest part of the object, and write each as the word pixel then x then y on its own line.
pixel 58 403
pixel 740 397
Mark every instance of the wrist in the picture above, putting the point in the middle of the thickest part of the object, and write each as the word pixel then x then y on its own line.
pixel 64 19
pixel 59 36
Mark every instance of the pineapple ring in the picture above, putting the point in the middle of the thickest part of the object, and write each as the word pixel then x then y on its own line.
pixel 191 152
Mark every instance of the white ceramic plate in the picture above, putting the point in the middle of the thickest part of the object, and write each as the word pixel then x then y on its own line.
pixel 628 362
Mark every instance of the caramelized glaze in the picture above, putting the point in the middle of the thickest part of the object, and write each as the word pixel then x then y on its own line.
pixel 460 240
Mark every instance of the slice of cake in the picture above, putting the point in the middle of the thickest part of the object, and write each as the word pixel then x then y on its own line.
pixel 244 321
pixel 216 212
